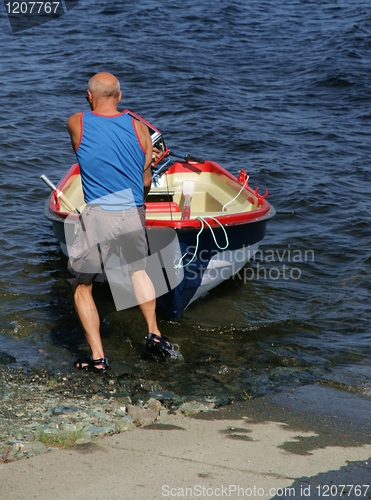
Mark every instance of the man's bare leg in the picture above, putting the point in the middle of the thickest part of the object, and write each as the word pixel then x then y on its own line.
pixel 146 297
pixel 145 294
pixel 89 317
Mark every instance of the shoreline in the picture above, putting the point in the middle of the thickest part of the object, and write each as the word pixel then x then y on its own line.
pixel 83 406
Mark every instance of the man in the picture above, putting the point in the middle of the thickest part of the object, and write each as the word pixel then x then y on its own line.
pixel 114 152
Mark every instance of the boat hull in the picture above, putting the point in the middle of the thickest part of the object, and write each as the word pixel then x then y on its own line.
pixel 193 256
pixel 210 266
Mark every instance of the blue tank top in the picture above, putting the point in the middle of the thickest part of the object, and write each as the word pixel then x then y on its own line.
pixel 111 160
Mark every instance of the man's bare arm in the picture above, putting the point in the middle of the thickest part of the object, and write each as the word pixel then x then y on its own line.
pixel 74 129
pixel 146 142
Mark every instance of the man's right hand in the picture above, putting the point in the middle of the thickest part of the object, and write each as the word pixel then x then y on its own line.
pixel 156 154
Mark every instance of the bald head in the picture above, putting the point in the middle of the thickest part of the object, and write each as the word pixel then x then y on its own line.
pixel 104 85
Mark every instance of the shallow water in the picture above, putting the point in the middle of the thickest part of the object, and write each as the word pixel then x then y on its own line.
pixel 279 89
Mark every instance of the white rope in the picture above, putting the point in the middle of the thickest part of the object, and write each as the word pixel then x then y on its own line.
pixel 180 265
pixel 237 195
pixel 203 221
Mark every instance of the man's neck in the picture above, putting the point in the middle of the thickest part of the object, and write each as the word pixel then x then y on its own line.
pixel 105 107
pixel 105 111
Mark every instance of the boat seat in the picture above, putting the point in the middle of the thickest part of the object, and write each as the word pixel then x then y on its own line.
pixel 162 206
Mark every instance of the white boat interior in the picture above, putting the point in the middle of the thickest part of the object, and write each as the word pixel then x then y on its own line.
pixel 213 195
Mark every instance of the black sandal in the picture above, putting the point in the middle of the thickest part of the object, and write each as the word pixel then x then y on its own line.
pixel 160 348
pixel 91 365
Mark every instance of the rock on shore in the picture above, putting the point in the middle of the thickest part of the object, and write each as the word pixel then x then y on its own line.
pixel 40 412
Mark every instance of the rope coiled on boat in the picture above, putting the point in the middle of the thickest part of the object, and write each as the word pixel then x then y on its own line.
pixel 203 221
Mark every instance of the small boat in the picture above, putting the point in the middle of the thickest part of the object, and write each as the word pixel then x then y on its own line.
pixel 203 225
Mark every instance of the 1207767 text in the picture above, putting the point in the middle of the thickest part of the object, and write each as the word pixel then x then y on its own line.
pixel 24 8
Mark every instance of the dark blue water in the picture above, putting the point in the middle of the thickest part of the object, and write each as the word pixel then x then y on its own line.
pixel 281 89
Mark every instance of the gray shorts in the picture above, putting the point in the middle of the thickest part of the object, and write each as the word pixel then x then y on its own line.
pixel 107 239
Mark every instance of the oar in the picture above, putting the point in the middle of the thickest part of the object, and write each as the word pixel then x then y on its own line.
pixel 188 190
pixel 187 157
pixel 60 195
